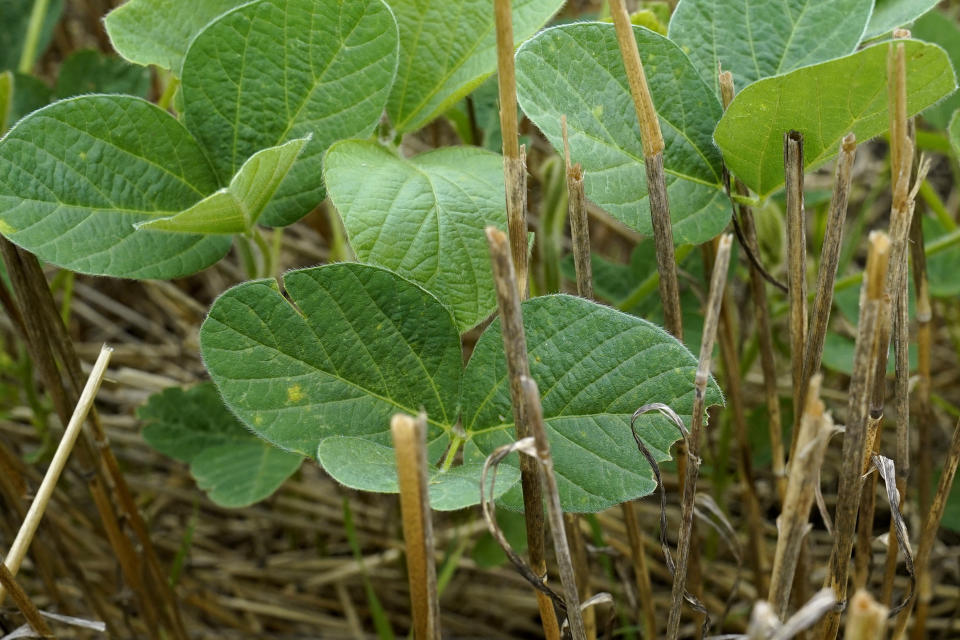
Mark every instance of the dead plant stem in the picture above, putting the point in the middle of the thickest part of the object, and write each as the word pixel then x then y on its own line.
pixel 796 267
pixel 854 440
pixel 568 579
pixel 514 160
pixel 711 320
pixel 518 366
pixel 409 442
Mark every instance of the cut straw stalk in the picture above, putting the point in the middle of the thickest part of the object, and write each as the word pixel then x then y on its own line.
pixel 762 315
pixel 855 437
pixel 793 523
pixel 514 160
pixel 830 256
pixel 27 530
pixel 20 598
pixel 730 361
pixel 867 618
pixel 796 266
pixel 652 140
pixel 579 227
pixel 534 411
pixel 901 215
pixel 518 366
pixel 931 525
pixel 580 234
pixel 711 319
pixel 411 454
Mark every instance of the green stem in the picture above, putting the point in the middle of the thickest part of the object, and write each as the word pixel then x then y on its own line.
pixel 452 452
pixel 246 255
pixel 29 53
pixel 266 253
pixel 651 282
pixel 747 200
pixel 338 240
pixel 173 83
pixel 930 196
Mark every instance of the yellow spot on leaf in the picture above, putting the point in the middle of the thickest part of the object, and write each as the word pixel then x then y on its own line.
pixel 294 394
pixel 5 228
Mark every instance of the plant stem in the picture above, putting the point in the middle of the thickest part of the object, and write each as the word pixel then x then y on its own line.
pixel 854 440
pixel 815 428
pixel 534 411
pixel 20 598
pixel 730 361
pixel 518 366
pixel 579 227
pixel 38 14
pixel 711 319
pixel 166 98
pixel 21 543
pixel 514 158
pixel 796 267
pixel 653 145
pixel 651 282
pixel 455 443
pixel 932 524
pixel 762 314
pixel 411 453
pixel 833 237
pixel 580 236
pixel 867 618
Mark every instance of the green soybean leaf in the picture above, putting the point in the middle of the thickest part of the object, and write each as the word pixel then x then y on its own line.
pixel 90 71
pixel 236 208
pixel 158 32
pixel 824 102
pixel 604 135
pixel 890 14
pixel 361 464
pixel 76 176
pixel 232 465
pixel 276 70
pixel 353 345
pixel 595 366
pixel 937 28
pixel 447 49
pixel 16 18
pixel 423 217
pixel 757 39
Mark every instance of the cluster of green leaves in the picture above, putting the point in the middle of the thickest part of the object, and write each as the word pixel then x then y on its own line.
pixel 277 106
pixel 795 63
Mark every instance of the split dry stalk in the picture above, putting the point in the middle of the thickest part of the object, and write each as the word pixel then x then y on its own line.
pixel 793 523
pixel 830 257
pixel 514 160
pixel 518 366
pixel 409 442
pixel 21 543
pixel 652 140
pixel 730 361
pixel 923 416
pixel 796 267
pixel 901 215
pixel 931 525
pixel 580 236
pixel 762 314
pixel 20 598
pixel 854 440
pixel 711 320
pixel 577 212
pixel 580 233
pixel 568 579
pixel 867 618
